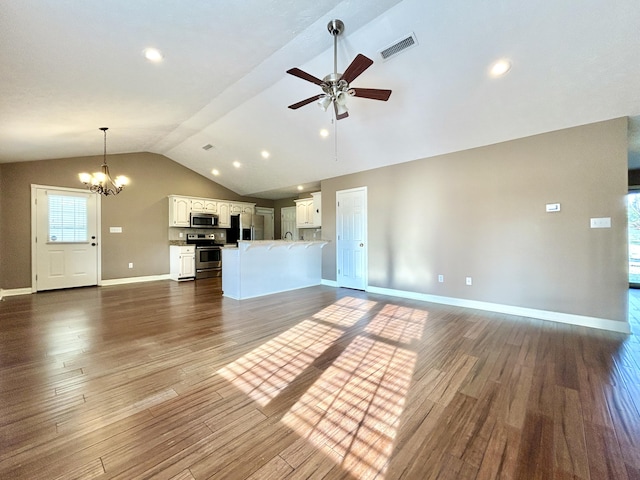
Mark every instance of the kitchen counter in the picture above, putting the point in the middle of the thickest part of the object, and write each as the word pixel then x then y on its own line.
pixel 263 267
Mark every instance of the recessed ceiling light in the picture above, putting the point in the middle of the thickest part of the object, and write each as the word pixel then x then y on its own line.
pixel 500 67
pixel 152 54
pixel 265 154
pixel 324 133
pixel 215 172
pixel 236 164
pixel 300 187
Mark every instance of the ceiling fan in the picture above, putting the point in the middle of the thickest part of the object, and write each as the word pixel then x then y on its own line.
pixel 336 86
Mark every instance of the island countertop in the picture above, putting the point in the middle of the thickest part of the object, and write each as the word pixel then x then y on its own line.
pixel 269 244
pixel 263 267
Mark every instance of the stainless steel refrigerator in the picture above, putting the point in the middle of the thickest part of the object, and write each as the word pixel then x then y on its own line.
pixel 251 227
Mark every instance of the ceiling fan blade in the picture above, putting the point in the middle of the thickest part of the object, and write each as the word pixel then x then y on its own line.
pixel 359 65
pixel 305 102
pixel 339 116
pixel 296 72
pixel 372 93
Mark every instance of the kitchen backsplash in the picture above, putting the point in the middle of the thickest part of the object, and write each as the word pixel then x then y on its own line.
pixel 174 233
pixel 309 234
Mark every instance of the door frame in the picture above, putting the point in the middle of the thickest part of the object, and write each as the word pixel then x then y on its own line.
pixel 34 230
pixel 365 232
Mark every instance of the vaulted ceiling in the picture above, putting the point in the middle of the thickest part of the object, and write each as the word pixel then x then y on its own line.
pixel 72 66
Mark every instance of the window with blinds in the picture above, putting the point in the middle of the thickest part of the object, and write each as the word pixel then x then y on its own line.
pixel 67 218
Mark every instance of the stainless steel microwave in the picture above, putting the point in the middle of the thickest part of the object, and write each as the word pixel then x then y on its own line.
pixel 204 220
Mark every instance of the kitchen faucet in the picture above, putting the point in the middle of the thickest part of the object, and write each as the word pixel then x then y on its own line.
pixel 288 233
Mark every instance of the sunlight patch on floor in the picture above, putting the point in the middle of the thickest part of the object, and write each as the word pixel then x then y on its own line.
pixel 270 368
pixel 346 311
pixel 352 412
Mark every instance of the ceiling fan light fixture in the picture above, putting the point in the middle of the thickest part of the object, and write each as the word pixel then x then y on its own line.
pixel 341 109
pixel 341 98
pixel 324 102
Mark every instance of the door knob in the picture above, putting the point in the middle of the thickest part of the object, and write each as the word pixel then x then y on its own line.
pixel 362 244
pixel 93 244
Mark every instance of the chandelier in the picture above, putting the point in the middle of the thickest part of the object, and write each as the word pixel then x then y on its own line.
pixel 101 182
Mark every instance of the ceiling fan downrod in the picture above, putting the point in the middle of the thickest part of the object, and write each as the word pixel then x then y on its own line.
pixel 335 27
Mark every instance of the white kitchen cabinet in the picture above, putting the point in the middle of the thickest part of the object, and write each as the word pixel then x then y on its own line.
pixel 317 209
pixel 237 208
pixel 182 262
pixel 204 205
pixel 179 211
pixel 304 213
pixel 224 215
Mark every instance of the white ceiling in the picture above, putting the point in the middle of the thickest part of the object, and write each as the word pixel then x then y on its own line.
pixel 72 66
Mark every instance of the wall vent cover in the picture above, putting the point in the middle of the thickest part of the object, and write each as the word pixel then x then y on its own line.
pixel 398 46
pixel 208 146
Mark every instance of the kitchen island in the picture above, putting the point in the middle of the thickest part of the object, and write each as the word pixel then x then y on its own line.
pixel 263 267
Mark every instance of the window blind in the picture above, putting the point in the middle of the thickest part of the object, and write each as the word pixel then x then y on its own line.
pixel 67 218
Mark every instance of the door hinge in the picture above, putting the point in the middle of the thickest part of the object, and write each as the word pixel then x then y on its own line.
pixel 338 271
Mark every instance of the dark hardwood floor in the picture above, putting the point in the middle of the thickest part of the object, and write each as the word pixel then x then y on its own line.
pixel 171 380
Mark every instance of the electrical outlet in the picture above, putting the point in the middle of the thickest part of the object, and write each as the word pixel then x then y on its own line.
pixel 469 281
pixel 130 264
pixel 441 278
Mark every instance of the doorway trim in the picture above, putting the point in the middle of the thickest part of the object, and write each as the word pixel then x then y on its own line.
pixel 34 229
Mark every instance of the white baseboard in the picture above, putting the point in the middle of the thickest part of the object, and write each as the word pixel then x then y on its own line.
pixel 115 281
pixel 123 281
pixel 329 283
pixel 584 321
pixel 14 291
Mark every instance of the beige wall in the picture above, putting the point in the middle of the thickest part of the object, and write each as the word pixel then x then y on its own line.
pixel 141 210
pixel 481 213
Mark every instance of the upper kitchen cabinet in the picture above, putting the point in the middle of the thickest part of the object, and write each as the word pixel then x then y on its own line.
pixel 179 211
pixel 224 215
pixel 204 205
pixel 317 209
pixel 308 212
pixel 237 208
pixel 304 213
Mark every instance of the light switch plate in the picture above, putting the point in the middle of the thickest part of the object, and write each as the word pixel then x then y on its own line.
pixel 603 222
pixel 553 207
pixel 115 229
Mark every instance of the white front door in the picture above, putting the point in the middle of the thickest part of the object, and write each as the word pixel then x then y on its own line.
pixel 288 228
pixel 64 230
pixel 351 230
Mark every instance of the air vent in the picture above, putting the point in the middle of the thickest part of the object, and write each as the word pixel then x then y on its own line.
pixel 398 46
pixel 208 146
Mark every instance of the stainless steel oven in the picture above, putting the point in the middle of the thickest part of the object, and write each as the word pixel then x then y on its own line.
pixel 208 255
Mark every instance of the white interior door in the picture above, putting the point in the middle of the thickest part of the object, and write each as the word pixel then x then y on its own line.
pixel 288 223
pixel 351 230
pixel 267 213
pixel 65 249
